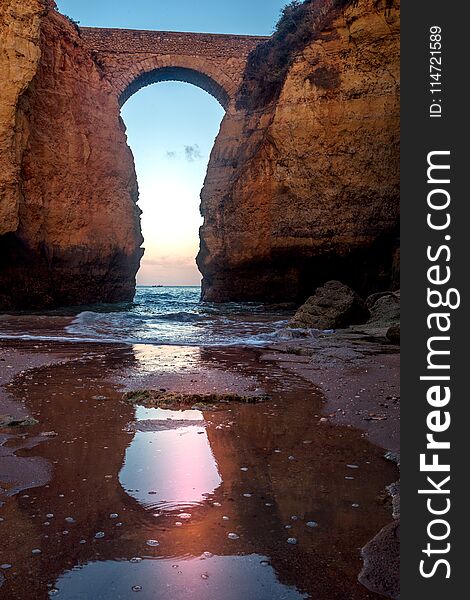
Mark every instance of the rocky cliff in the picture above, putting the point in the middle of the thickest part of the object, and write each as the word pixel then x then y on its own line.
pixel 70 224
pixel 303 183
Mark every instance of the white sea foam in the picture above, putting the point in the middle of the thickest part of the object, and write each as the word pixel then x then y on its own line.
pixel 164 316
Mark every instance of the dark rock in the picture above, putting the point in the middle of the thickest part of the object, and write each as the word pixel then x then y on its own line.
pixel 181 399
pixel 393 334
pixel 381 570
pixel 372 299
pixel 385 311
pixel 9 421
pixel 334 305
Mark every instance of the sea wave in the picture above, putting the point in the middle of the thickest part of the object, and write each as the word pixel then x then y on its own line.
pixel 164 316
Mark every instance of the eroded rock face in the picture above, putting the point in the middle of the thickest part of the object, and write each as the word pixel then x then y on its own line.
pixel 307 188
pixel 333 306
pixel 76 236
pixel 19 56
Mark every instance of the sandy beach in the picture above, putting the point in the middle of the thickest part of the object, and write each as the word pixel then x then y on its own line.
pixel 296 485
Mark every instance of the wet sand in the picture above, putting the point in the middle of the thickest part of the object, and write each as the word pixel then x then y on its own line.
pixel 203 509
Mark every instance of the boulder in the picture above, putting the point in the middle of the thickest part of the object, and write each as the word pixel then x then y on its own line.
pixel 393 334
pixel 334 305
pixel 381 556
pixel 385 311
pixel 372 299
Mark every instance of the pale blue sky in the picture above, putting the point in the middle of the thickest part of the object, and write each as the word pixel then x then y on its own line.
pixel 171 126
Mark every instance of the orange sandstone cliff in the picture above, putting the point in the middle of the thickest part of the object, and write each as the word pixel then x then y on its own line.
pixel 70 223
pixel 305 188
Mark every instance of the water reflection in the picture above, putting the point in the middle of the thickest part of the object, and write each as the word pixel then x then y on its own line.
pixel 211 578
pixel 172 469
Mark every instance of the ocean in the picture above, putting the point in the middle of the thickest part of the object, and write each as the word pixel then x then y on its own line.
pixel 158 315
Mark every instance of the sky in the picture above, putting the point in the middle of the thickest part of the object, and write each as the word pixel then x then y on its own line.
pixel 171 126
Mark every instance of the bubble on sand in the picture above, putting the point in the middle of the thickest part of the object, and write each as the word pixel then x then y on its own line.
pixel 113 516
pixel 136 588
pixel 99 535
pixel 152 543
pixel 135 559
pixel 312 524
pixel 233 536
pixel 292 541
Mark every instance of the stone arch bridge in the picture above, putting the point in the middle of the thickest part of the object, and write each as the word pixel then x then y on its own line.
pixel 132 59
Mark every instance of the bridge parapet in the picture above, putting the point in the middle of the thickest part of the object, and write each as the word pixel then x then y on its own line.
pixel 134 58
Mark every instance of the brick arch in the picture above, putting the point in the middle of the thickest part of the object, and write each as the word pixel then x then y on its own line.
pixel 211 80
pixel 131 59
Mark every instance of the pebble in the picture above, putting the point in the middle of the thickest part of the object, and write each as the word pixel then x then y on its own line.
pixel 353 466
pixel 312 524
pixel 244 469
pixel 36 551
pixel 225 518
pixel 233 536
pixel 49 515
pixel 291 458
pixel 292 541
pixel 207 554
pixel 247 495
pixel 135 559
pixel 53 591
pixel 216 504
pixel 113 516
pixel 355 505
pixel 5 566
pixel 185 516
pixel 204 575
pixel 70 519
